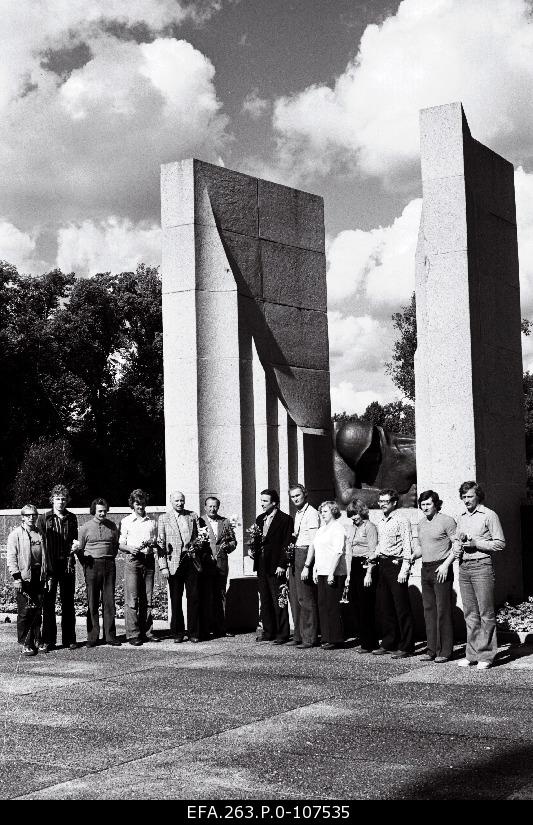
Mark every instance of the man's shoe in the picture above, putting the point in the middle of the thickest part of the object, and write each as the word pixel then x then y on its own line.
pixel 439 660
pixel 29 651
pixel 115 643
pixel 364 650
pixel 400 654
pixel 483 665
pixel 229 634
pixel 465 663
pixel 178 639
pixel 72 646
pixel 45 648
pixel 92 644
pixel 329 646
pixel 380 651
pixel 133 642
pixel 279 641
pixel 304 646
pixel 293 643
pixel 427 657
pixel 151 638
pixel 194 639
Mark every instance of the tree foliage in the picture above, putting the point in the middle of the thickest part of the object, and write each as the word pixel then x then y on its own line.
pixel 81 364
pixel 401 367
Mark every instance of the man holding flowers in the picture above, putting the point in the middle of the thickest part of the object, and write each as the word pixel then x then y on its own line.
pixel 138 540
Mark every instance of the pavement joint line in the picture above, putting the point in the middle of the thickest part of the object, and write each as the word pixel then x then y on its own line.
pixel 190 743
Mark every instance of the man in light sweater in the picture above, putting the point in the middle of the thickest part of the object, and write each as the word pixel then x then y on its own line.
pixel 479 536
pixel 436 531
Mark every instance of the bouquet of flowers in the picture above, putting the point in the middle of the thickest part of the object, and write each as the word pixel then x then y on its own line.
pixel 344 598
pixel 255 540
pixel 198 548
pixel 283 597
pixel 151 546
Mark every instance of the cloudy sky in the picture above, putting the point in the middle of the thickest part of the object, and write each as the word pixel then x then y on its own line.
pixel 320 94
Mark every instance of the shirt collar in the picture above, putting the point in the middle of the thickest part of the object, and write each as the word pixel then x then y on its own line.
pixel 135 517
pixel 479 509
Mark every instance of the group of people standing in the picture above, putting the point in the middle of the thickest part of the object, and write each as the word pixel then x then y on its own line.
pixel 191 552
pixel 369 565
pixel 321 562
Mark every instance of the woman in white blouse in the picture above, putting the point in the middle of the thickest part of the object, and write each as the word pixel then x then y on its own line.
pixel 329 573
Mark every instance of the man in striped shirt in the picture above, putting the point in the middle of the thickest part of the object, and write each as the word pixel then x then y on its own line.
pixel 60 528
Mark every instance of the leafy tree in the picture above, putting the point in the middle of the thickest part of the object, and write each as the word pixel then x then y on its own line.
pixel 401 368
pixel 47 462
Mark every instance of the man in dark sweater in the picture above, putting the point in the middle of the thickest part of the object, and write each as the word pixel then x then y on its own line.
pixel 98 546
pixel 60 528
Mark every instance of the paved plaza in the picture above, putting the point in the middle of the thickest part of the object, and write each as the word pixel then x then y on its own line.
pixel 234 719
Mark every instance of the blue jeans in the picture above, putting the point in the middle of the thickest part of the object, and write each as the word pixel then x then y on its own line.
pixel 476 581
pixel 138 590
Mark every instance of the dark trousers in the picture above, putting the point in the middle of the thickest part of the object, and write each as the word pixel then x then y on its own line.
pixel 138 591
pixel 217 619
pixel 329 609
pixel 196 588
pixel 304 605
pixel 363 603
pixel 394 608
pixel 100 577
pixel 29 610
pixel 64 580
pixel 275 619
pixel 437 601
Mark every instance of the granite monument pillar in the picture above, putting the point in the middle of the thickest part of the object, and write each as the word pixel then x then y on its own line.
pixel 245 340
pixel 468 365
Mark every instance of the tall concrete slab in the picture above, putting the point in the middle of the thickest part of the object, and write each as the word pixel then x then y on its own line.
pixel 245 341
pixel 468 364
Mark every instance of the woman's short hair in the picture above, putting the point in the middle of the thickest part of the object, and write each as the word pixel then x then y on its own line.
pixel 333 506
pixel 357 508
pixel 430 494
pixel 138 496
pixel 98 502
pixel 472 485
pixel 59 490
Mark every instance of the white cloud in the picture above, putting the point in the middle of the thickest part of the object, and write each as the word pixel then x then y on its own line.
pixel 378 264
pixel 113 245
pixel 345 398
pixel 17 248
pixel 428 53
pixel 89 145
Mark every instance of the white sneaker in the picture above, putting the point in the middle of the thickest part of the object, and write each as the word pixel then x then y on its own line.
pixel 465 663
pixel 483 665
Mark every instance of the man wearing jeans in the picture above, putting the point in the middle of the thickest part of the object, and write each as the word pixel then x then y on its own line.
pixel 137 530
pixel 479 536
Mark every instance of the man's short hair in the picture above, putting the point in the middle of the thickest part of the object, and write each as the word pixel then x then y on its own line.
pixel 29 508
pixel 333 506
pixel 357 507
pixel 273 494
pixel 472 485
pixel 59 490
pixel 98 502
pixel 212 498
pixel 392 494
pixel 297 486
pixel 138 496
pixel 430 494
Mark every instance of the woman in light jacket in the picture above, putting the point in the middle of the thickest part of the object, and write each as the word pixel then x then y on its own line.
pixel 329 573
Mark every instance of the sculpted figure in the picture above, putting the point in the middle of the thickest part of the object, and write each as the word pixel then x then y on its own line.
pixel 368 458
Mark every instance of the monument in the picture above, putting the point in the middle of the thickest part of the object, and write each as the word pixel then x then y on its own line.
pixel 245 342
pixel 468 365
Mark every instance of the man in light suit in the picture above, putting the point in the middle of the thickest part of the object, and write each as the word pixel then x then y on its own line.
pixel 271 565
pixel 222 541
pixel 177 529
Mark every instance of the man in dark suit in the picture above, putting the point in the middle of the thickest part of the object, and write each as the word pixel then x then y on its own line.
pixel 222 541
pixel 177 529
pixel 270 563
